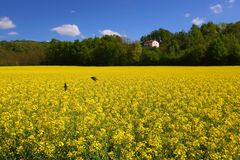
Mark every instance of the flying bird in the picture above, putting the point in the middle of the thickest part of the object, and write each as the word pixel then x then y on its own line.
pixel 65 86
pixel 94 78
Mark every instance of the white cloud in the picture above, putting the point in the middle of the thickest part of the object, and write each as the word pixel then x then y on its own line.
pixel 231 1
pixel 217 8
pixel 6 23
pixel 73 11
pixel 110 33
pixel 67 30
pixel 187 15
pixel 198 21
pixel 13 33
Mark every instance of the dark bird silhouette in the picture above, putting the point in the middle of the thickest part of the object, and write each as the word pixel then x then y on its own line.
pixel 94 78
pixel 65 86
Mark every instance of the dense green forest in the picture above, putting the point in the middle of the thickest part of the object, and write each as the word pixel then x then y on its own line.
pixel 210 44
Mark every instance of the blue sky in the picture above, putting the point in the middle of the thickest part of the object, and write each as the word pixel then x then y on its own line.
pixel 42 20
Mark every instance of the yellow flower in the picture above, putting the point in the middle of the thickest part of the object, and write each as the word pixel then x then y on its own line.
pixel 130 113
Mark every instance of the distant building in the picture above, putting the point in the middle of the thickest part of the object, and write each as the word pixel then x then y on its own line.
pixel 151 43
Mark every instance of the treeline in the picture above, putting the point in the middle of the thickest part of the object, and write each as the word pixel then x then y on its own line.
pixel 104 51
pixel 210 44
pixel 13 53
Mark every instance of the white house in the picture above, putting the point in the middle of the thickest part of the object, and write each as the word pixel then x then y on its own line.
pixel 151 43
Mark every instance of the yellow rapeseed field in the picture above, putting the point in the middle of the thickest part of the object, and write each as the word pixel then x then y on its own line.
pixel 129 113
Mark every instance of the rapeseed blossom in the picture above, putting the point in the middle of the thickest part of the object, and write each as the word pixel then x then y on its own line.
pixel 129 113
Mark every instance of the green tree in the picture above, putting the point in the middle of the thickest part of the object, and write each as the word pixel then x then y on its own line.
pixel 195 36
pixel 162 35
pixel 217 53
pixel 110 51
pixel 210 30
pixel 150 56
pixel 194 56
pixel 233 49
pixel 135 51
pixel 182 39
pixel 174 48
pixel 233 28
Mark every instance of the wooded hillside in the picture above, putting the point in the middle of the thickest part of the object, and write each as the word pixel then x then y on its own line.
pixel 210 44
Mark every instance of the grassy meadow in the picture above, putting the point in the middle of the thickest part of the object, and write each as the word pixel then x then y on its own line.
pixel 128 113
